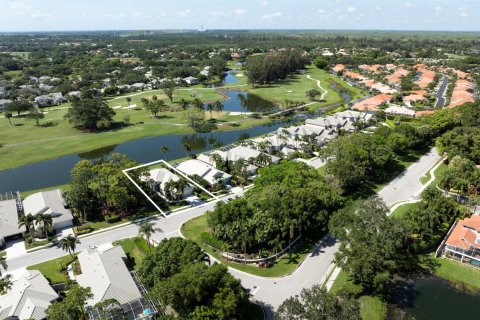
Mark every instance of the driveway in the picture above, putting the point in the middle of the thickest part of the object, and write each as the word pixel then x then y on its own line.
pixel 406 186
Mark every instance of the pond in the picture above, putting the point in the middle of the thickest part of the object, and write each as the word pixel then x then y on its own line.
pixel 433 298
pixel 57 171
pixel 239 101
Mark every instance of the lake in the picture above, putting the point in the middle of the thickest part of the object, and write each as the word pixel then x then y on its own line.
pixel 433 298
pixel 240 101
pixel 57 171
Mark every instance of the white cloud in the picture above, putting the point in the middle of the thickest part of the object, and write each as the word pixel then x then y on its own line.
pixel 464 14
pixel 218 14
pixel 351 9
pixel 409 5
pixel 378 8
pixel 20 8
pixel 272 15
pixel 239 11
pixel 265 3
pixel 187 13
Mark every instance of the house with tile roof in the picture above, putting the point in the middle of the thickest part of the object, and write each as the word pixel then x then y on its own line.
pixel 203 170
pixel 160 177
pixel 28 298
pixel 463 242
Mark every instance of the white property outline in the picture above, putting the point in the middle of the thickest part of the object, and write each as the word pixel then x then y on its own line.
pixel 175 170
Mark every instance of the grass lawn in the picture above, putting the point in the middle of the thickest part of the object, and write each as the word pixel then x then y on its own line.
pixel 283 266
pixel 371 308
pixel 460 274
pixel 39 243
pixel 294 88
pixel 438 172
pixel 135 248
pixel 24 142
pixel 53 269
pixel 402 210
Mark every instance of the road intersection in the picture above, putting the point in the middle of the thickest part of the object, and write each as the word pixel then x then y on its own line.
pixel 270 292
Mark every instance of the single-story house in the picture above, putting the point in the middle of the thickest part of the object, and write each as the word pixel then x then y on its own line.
pixel 57 98
pixel 463 243
pixel 50 202
pixel 245 153
pixel 161 176
pixel 43 79
pixel 74 94
pixel 28 298
pixel 4 103
pixel 106 273
pixel 399 110
pixel 205 171
pixel 45 87
pixel 9 214
pixel 191 80
pixel 43 101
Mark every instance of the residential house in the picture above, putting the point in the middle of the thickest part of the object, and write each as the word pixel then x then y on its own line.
pixel 204 171
pixel 28 298
pixel 463 243
pixel 191 80
pixel 106 273
pixel 73 94
pixel 45 87
pixel 49 202
pixel 43 101
pixel 160 177
pixel 245 153
pixel 400 110
pixel 9 214
pixel 57 98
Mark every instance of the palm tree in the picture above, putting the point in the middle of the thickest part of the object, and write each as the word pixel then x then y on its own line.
pixel 218 106
pixel 210 107
pixel 69 244
pixel 28 221
pixel 164 150
pixel 183 104
pixel 243 101
pixel 128 101
pixel 3 264
pixel 187 148
pixel 146 229
pixel 263 160
pixel 45 220
pixel 198 103
pixel 216 160
pixel 6 283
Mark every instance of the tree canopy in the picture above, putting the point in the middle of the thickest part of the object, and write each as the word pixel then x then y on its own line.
pixel 90 114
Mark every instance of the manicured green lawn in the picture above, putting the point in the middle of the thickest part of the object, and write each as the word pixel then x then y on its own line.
pixel 457 273
pixel 402 210
pixel 295 87
pixel 371 308
pixel 26 143
pixel 283 266
pixel 438 172
pixel 135 248
pixel 53 269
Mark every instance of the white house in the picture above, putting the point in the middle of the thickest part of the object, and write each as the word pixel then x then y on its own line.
pixel 162 176
pixel 205 171
pixel 49 202
pixel 191 80
pixel 28 298
pixel 106 273
pixel 245 153
pixel 399 110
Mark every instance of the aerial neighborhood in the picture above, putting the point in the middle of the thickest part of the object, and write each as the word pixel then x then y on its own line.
pixel 312 173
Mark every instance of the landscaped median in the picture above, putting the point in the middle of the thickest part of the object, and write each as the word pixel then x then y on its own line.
pixel 282 266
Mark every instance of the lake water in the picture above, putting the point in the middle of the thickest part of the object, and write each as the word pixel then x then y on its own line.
pixel 433 298
pixel 57 171
pixel 252 102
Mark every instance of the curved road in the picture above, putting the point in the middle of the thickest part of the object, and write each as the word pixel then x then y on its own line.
pixel 270 292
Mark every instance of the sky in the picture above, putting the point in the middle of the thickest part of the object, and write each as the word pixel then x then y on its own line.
pixel 63 15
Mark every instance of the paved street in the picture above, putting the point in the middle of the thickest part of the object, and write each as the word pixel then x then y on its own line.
pixel 268 291
pixel 406 186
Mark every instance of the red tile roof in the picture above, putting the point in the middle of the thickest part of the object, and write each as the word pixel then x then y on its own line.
pixel 465 233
